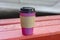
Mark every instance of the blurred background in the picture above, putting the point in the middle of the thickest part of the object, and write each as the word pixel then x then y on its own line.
pixel 11 8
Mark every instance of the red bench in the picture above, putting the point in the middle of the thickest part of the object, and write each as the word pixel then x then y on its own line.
pixel 46 28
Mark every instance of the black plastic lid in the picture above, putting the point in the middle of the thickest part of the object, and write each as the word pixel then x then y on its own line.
pixel 27 10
